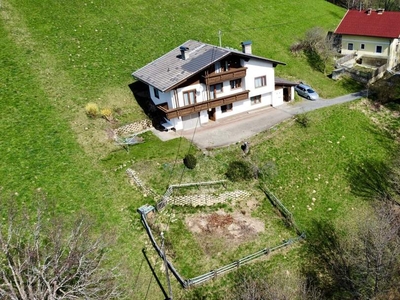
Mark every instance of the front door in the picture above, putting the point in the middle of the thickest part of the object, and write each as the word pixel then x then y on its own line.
pixel 211 114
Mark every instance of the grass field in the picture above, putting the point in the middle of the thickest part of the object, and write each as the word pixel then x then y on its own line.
pixel 59 55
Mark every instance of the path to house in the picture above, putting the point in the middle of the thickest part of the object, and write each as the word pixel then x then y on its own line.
pixel 240 127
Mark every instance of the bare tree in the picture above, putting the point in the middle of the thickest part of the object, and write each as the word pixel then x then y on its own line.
pixel 360 265
pixel 252 285
pixel 39 259
pixel 317 45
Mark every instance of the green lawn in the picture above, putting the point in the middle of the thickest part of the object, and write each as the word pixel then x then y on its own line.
pixel 57 56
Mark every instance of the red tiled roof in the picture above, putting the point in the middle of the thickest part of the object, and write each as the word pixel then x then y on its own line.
pixel 355 22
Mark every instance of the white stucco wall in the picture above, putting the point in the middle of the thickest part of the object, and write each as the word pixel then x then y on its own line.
pixel 255 69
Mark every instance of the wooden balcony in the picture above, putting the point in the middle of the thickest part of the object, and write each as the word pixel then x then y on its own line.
pixel 205 105
pixel 234 73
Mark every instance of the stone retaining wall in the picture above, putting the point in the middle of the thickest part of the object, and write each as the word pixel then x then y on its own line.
pixel 207 199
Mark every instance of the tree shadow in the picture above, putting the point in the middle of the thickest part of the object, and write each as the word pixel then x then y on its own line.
pixel 370 180
pixel 314 60
pixel 325 265
pixel 142 95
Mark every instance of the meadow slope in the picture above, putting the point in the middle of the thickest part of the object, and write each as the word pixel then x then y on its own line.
pixel 59 55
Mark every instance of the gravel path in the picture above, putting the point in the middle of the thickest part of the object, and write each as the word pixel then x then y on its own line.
pixel 240 127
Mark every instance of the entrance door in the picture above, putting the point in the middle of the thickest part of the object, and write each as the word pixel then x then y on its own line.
pixel 211 114
pixel 286 96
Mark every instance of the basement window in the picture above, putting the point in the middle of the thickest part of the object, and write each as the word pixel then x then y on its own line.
pixel 226 108
pixel 255 99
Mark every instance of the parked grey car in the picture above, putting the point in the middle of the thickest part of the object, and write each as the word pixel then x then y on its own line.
pixel 306 91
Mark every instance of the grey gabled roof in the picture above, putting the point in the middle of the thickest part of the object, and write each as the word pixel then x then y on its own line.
pixel 169 70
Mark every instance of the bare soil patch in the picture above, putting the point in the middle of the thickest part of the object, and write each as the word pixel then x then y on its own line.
pixel 219 230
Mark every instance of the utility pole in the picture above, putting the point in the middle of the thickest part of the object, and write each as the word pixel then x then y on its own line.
pixel 166 266
pixel 220 37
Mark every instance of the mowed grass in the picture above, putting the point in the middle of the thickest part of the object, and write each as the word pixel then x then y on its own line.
pixel 58 56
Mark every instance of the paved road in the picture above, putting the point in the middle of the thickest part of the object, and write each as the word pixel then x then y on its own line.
pixel 240 127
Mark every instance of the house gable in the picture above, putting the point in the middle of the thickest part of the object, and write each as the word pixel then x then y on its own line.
pixel 172 70
pixel 197 82
pixel 385 24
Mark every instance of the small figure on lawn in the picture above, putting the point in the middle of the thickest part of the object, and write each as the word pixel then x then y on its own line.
pixel 245 147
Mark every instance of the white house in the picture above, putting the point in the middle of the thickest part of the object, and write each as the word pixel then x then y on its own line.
pixel 196 83
pixel 371 35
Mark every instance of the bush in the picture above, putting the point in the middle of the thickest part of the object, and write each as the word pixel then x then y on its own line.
pixel 92 110
pixel 106 113
pixel 190 161
pixel 240 170
pixel 303 120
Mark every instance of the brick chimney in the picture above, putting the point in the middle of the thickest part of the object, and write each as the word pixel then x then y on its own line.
pixel 246 47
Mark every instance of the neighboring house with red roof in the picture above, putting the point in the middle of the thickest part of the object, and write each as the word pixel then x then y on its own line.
pixel 371 34
pixel 197 82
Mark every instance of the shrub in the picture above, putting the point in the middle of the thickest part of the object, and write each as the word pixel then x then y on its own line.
pixel 92 110
pixel 240 170
pixel 303 120
pixel 106 113
pixel 190 161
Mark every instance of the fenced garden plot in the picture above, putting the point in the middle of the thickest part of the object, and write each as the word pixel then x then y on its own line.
pixel 186 283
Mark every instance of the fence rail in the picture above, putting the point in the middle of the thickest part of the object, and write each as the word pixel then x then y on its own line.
pixel 186 283
pixel 284 211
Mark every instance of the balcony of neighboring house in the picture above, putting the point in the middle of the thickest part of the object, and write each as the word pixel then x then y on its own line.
pixel 231 74
pixel 205 105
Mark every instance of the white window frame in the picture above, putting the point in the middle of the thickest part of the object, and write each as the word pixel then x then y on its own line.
pixel 376 49
pixel 260 81
pixel 255 99
pixel 189 97
pixel 362 46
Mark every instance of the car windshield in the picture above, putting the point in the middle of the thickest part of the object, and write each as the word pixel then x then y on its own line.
pixel 310 91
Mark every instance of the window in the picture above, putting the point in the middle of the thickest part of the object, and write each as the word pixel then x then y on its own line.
pixel 350 46
pixel 255 99
pixel 156 93
pixel 362 46
pixel 378 49
pixel 217 67
pixel 214 89
pixel 237 83
pixel 260 81
pixel 189 97
pixel 226 108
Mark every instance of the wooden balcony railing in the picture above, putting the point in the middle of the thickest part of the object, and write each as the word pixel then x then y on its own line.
pixel 232 74
pixel 193 108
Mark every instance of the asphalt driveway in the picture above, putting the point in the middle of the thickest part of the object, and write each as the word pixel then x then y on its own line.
pixel 240 127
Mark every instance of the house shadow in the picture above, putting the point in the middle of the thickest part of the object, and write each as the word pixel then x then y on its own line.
pixel 142 95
